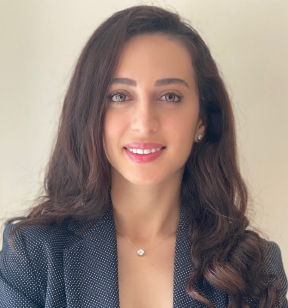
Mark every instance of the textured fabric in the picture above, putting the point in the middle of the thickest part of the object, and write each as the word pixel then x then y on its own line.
pixel 55 268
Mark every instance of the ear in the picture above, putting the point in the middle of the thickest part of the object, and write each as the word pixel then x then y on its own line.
pixel 200 130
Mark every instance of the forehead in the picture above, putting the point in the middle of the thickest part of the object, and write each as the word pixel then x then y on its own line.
pixel 156 56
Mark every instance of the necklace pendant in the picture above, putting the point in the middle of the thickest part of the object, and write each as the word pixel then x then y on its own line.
pixel 140 252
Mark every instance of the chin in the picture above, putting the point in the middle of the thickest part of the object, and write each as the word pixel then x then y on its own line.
pixel 145 180
pixel 137 177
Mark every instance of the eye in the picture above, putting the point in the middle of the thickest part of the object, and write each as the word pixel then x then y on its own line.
pixel 118 97
pixel 171 97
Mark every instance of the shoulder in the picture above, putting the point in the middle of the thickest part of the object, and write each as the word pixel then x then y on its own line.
pixel 41 244
pixel 32 247
pixel 33 239
pixel 35 264
pixel 273 259
pixel 273 271
pixel 25 267
pixel 273 264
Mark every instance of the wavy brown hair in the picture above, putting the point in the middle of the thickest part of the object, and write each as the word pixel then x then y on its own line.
pixel 224 252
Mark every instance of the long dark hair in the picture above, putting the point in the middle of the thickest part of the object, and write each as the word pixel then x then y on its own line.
pixel 224 252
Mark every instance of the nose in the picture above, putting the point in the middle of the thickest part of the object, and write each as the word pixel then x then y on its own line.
pixel 145 118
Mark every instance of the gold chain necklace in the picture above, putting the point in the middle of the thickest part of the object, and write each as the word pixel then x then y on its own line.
pixel 141 251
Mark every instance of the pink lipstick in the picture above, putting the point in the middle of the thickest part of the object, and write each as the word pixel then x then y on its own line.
pixel 143 152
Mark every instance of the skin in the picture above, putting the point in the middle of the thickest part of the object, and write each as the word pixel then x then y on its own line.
pixel 146 195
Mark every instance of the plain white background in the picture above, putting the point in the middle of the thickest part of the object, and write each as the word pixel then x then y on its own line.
pixel 41 40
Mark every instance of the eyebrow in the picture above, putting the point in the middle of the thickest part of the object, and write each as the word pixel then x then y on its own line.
pixel 159 82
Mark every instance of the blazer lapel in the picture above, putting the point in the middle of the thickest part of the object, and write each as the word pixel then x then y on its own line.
pixel 183 266
pixel 91 267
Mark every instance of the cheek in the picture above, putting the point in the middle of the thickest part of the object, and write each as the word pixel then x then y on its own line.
pixel 183 127
pixel 114 125
pixel 110 125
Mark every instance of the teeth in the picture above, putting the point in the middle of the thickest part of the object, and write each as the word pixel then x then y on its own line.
pixel 146 151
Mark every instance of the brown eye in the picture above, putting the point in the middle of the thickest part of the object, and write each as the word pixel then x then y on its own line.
pixel 171 98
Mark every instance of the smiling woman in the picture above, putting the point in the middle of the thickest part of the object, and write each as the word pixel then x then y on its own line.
pixel 144 205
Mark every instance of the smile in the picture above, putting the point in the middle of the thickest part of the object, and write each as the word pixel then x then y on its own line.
pixel 144 155
pixel 145 151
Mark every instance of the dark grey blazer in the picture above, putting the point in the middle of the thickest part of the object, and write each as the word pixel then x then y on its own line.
pixel 57 269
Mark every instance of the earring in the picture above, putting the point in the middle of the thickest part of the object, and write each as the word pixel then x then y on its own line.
pixel 200 137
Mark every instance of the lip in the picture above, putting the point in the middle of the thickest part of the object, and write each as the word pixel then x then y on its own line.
pixel 143 158
pixel 143 146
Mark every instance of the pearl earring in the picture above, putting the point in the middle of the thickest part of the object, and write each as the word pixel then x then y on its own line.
pixel 200 137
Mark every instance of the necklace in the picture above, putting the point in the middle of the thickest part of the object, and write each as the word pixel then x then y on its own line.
pixel 141 251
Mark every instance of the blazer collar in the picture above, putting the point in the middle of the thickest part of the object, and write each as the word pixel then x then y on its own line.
pixel 91 265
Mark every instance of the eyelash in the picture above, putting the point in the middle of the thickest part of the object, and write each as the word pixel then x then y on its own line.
pixel 178 97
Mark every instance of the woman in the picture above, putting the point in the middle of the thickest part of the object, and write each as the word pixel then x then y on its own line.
pixel 144 205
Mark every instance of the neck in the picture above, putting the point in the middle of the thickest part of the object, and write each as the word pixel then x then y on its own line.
pixel 145 213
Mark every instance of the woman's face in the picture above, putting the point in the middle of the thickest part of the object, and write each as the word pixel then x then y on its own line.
pixel 153 110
